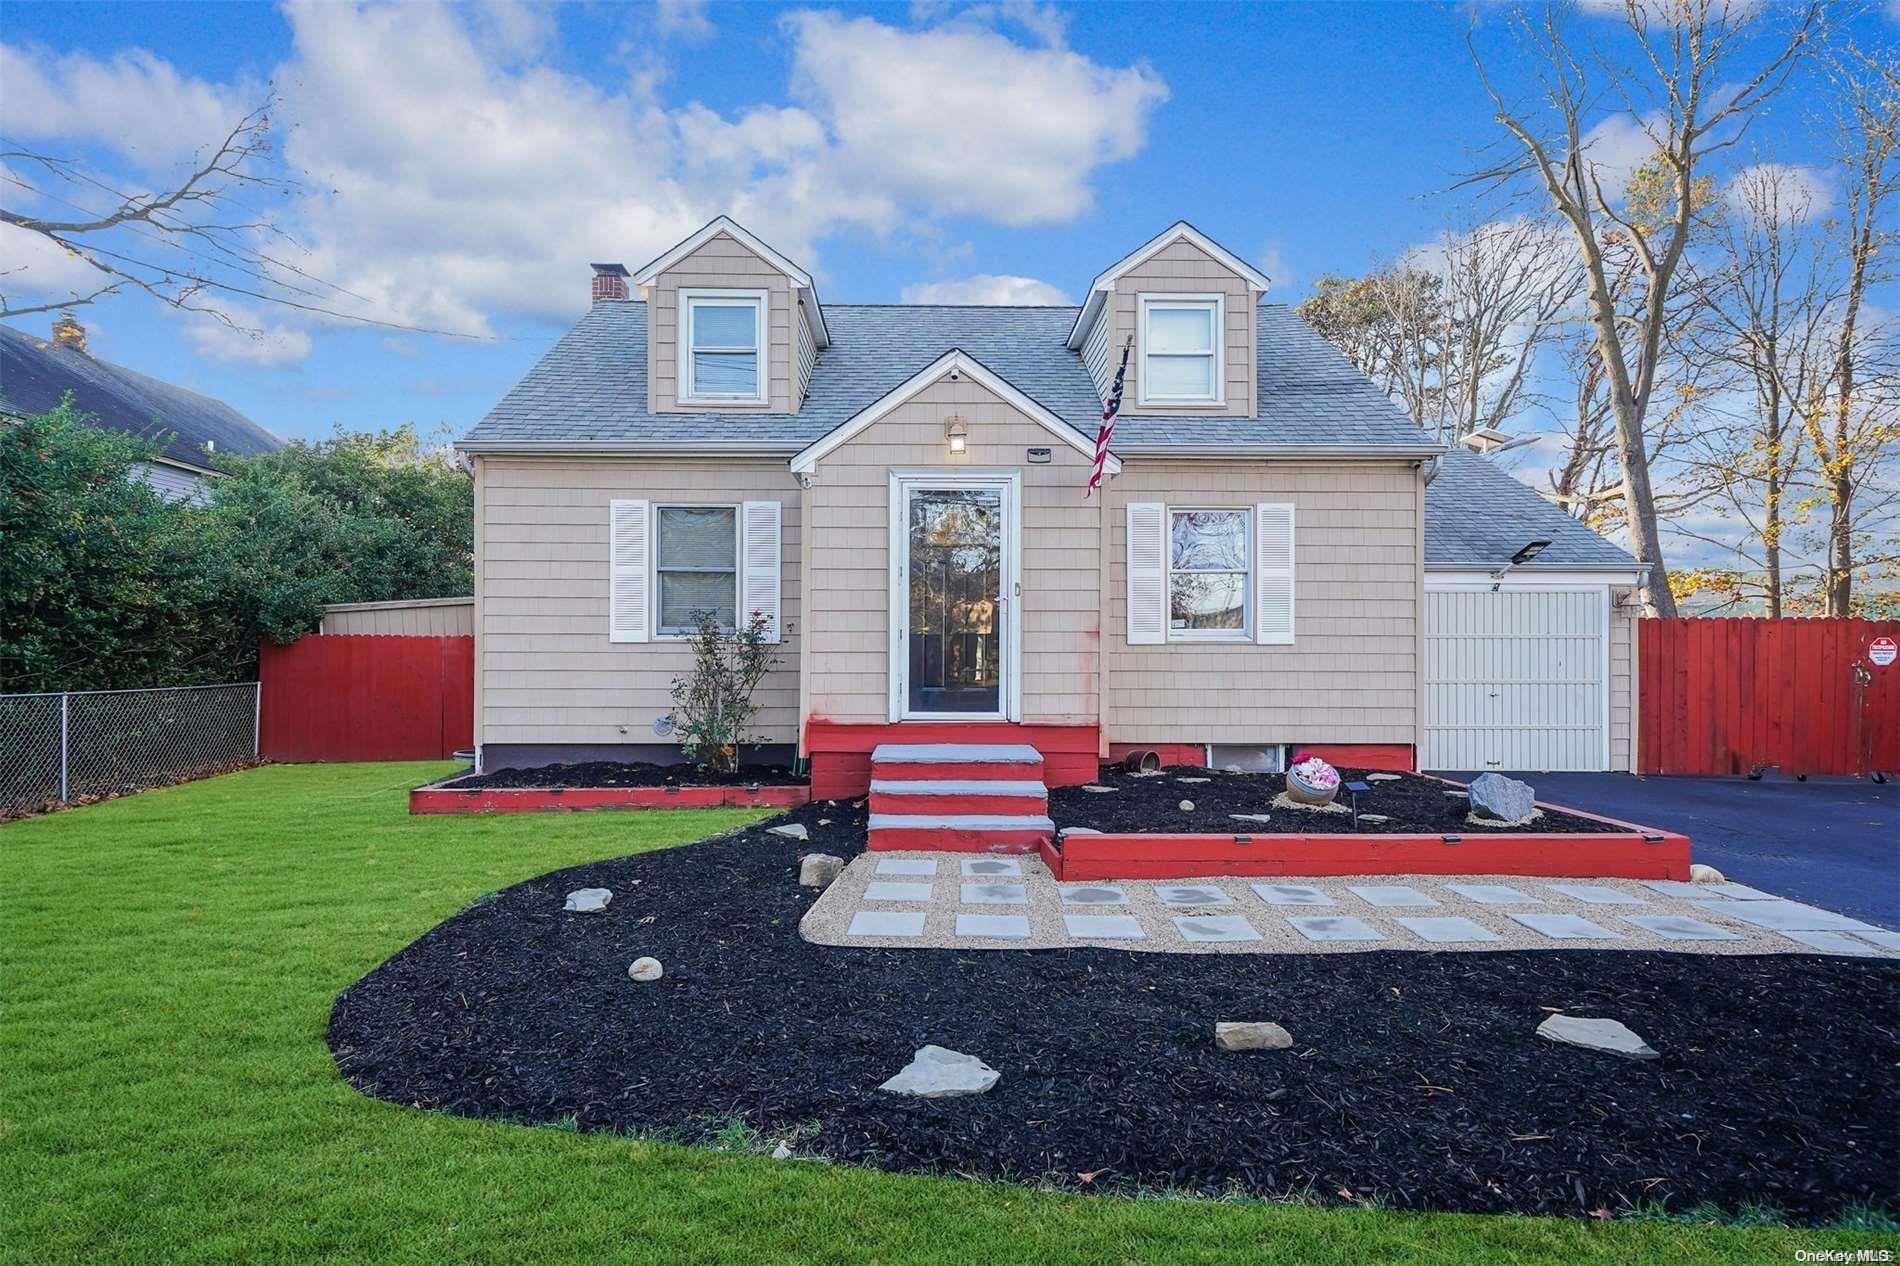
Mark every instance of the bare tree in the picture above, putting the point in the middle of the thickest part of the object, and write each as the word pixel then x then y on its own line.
pixel 1452 330
pixel 1764 312
pixel 1689 101
pixel 1851 438
pixel 197 246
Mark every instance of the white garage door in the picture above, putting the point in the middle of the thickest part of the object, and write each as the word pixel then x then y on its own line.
pixel 1516 679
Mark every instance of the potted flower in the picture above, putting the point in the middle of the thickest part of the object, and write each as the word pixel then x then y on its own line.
pixel 1312 781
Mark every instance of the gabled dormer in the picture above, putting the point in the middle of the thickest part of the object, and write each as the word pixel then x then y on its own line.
pixel 1187 303
pixel 732 325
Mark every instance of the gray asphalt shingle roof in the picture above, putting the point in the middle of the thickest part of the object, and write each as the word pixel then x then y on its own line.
pixel 1477 512
pixel 591 388
pixel 35 374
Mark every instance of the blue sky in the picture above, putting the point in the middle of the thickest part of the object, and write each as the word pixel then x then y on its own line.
pixel 463 165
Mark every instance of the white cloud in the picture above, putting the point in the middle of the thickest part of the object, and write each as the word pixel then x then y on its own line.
pixel 33 269
pixel 962 120
pixel 260 343
pixel 685 19
pixel 454 173
pixel 986 288
pixel 1795 191
pixel 134 103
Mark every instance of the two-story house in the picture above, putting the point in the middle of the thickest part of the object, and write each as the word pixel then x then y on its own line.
pixel 1277 558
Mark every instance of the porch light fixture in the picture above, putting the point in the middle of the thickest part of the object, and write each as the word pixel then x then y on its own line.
pixel 958 433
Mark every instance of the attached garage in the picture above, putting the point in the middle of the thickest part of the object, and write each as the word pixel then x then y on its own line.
pixel 1517 678
pixel 1527 666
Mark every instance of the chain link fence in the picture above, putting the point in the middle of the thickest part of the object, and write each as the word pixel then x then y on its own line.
pixel 66 747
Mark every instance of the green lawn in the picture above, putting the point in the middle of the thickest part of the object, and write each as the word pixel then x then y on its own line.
pixel 167 965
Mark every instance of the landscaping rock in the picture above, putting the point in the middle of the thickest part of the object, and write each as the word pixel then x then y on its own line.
pixel 1194 780
pixel 1702 873
pixel 1376 819
pixel 824 821
pixel 1596 1034
pixel 1078 830
pixel 1251 817
pixel 646 969
pixel 1382 777
pixel 1097 789
pixel 1284 801
pixel 588 900
pixel 817 870
pixel 936 1072
pixel 782 1152
pixel 1506 799
pixel 791 831
pixel 1251 1035
pixel 1187 806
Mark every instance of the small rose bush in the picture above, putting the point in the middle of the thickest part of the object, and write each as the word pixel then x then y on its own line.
pixel 712 709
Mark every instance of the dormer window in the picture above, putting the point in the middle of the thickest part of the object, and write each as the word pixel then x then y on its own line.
pixel 722 346
pixel 1181 349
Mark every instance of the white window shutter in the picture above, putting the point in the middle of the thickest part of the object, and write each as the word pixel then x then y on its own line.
pixel 630 545
pixel 759 590
pixel 1147 573
pixel 1273 574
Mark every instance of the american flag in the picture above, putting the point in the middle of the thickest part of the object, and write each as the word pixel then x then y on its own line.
pixel 1109 410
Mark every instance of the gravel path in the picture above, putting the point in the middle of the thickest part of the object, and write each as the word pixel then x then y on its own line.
pixel 1162 907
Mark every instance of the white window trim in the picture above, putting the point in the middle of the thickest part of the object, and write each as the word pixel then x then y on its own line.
pixel 1217 303
pixel 653 564
pixel 1233 636
pixel 762 301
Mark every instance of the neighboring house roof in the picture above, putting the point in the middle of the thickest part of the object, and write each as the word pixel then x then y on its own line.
pixel 590 390
pixel 35 374
pixel 1477 513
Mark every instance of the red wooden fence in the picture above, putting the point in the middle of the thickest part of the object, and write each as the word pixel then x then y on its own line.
pixel 1722 696
pixel 361 697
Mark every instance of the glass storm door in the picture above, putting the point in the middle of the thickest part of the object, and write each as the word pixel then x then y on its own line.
pixel 954 577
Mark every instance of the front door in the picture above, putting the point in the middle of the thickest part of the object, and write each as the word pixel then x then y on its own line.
pixel 953 590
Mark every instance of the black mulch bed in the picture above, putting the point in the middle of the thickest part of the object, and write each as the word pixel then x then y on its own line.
pixel 611 773
pixel 1153 803
pixel 1416 1079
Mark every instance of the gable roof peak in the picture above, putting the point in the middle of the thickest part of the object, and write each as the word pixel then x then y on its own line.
pixel 1180 230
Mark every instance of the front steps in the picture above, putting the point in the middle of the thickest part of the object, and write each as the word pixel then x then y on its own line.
pixel 959 797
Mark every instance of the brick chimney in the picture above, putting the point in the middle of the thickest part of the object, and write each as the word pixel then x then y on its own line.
pixel 69 333
pixel 610 281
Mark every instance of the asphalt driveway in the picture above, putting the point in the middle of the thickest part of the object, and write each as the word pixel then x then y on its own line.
pixel 1834 843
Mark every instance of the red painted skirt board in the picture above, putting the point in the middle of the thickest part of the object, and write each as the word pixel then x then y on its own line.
pixel 557 799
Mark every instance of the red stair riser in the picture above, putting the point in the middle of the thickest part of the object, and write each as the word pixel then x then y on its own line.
pixel 1022 840
pixel 1029 804
pixel 955 771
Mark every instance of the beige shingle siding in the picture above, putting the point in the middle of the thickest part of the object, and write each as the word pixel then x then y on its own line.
pixel 1623 679
pixel 546 670
pixel 1095 355
pixel 849 506
pixel 807 347
pixel 1184 268
pixel 441 617
pixel 1350 675
pixel 721 263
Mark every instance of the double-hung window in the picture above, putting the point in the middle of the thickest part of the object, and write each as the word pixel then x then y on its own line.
pixel 697 565
pixel 1181 349
pixel 722 346
pixel 1210 564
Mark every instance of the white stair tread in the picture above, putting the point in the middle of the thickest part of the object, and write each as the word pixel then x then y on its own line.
pixel 955 754
pixel 1024 788
pixel 958 822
